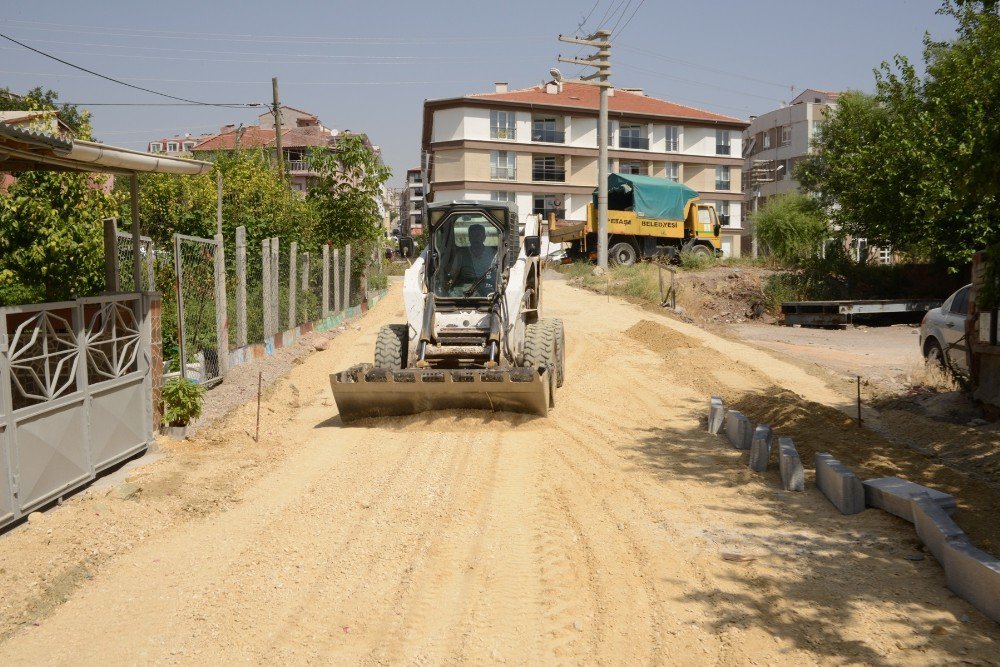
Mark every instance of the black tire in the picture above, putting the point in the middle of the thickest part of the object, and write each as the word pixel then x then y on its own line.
pixel 934 355
pixel 559 347
pixel 623 254
pixel 539 345
pixel 391 346
pixel 702 251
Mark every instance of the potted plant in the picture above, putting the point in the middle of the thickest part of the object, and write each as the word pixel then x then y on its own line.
pixel 182 402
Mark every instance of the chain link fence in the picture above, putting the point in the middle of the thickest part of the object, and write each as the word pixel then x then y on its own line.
pixel 126 255
pixel 198 307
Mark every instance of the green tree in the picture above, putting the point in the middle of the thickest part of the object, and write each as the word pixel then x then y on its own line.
pixel 792 226
pixel 51 237
pixel 38 99
pixel 914 165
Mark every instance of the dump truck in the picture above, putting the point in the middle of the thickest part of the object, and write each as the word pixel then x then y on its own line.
pixel 474 337
pixel 647 217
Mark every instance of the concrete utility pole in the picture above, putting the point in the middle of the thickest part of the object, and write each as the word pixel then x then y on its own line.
pixel 601 60
pixel 277 125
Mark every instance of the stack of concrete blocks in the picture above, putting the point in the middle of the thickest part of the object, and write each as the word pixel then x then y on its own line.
pixel 840 486
pixel 716 413
pixel 760 448
pixel 793 475
pixel 894 495
pixel 739 430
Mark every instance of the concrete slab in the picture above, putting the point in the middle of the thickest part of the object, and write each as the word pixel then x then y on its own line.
pixel 739 430
pixel 716 414
pixel 974 575
pixel 760 448
pixel 840 486
pixel 933 525
pixel 894 495
pixel 793 475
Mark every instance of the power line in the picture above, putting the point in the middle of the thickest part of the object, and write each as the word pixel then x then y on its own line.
pixel 632 16
pixel 257 83
pixel 707 68
pixel 620 17
pixel 586 18
pixel 119 81
pixel 697 83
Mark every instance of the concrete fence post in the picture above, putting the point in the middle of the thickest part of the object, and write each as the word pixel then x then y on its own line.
pixel 221 307
pixel 325 306
pixel 347 276
pixel 275 287
pixel 304 287
pixel 292 284
pixel 337 294
pixel 265 280
pixel 241 286
pixel 112 278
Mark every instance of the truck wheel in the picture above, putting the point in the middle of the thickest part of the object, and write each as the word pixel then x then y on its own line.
pixel 559 347
pixel 539 345
pixel 391 346
pixel 623 254
pixel 702 251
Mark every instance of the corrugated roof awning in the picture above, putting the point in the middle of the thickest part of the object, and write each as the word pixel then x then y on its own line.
pixel 23 149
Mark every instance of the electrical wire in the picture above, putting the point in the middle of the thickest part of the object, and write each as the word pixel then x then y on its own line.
pixel 707 68
pixel 257 83
pixel 695 82
pixel 632 16
pixel 125 83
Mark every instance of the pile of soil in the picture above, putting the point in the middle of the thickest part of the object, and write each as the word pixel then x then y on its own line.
pixel 724 294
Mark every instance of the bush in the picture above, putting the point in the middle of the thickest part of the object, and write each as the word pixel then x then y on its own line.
pixel 792 226
pixel 182 401
pixel 691 260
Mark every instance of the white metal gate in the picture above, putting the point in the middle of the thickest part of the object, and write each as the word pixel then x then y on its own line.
pixel 75 395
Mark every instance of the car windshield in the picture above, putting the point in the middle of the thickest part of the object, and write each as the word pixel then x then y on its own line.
pixel 467 246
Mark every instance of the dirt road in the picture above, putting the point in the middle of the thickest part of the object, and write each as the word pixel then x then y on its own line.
pixel 615 531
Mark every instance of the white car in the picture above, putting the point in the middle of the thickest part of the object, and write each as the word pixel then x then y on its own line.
pixel 942 333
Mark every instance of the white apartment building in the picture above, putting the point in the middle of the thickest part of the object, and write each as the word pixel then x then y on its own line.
pixel 537 147
pixel 411 214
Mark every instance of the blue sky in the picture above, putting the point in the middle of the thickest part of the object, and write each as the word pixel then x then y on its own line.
pixel 368 66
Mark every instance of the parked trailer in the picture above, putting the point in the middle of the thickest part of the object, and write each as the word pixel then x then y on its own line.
pixel 843 313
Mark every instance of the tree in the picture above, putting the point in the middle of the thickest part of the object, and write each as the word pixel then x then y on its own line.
pixel 792 226
pixel 51 237
pixel 37 99
pixel 914 165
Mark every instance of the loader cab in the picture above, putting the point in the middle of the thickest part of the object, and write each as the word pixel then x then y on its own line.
pixel 468 249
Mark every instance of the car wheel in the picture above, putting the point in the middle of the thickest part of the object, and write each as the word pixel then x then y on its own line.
pixel 934 355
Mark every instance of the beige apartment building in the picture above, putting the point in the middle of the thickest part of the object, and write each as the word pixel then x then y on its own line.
pixel 537 147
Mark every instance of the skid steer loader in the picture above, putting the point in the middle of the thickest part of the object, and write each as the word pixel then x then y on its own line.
pixel 473 338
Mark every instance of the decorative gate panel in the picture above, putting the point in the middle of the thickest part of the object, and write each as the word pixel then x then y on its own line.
pixel 51 454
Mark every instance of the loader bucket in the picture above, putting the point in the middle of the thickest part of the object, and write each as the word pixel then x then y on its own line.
pixel 363 391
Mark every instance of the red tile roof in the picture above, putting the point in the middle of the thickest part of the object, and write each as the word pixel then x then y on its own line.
pixel 586 96
pixel 253 137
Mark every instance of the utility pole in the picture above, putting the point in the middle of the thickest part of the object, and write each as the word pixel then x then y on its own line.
pixel 277 125
pixel 601 60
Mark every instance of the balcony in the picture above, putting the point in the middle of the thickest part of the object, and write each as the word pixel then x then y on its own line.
pixel 502 173
pixel 548 136
pixel 505 133
pixel 298 165
pixel 640 143
pixel 548 174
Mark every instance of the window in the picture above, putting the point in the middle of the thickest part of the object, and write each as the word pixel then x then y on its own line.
pixel 502 125
pixel 633 136
pixel 503 195
pixel 611 133
pixel 781 170
pixel 960 305
pixel 545 204
pixel 155 147
pixel 786 135
pixel 634 167
pixel 673 171
pixel 721 177
pixel 673 138
pixel 767 140
pixel 885 255
pixel 188 146
pixel 171 146
pixel 547 168
pixel 722 210
pixel 502 165
pixel 722 142
pixel 544 129
pixel 468 244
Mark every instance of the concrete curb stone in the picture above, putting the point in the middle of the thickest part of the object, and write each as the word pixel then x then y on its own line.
pixel 894 495
pixel 934 526
pixel 716 414
pixel 973 574
pixel 739 430
pixel 760 448
pixel 840 486
pixel 793 475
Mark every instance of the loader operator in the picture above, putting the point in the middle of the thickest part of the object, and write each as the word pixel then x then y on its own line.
pixel 472 263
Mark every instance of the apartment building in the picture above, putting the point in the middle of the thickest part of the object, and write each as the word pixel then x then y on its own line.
pixel 411 213
pixel 776 141
pixel 537 147
pixel 179 144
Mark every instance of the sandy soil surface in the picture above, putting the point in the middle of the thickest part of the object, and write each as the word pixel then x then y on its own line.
pixel 614 531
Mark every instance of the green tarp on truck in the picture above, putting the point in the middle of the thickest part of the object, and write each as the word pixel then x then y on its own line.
pixel 649 196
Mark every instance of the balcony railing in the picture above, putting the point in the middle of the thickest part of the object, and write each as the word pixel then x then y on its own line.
pixel 722 149
pixel 508 133
pixel 633 142
pixel 548 136
pixel 298 165
pixel 552 174
pixel 503 173
pixel 721 185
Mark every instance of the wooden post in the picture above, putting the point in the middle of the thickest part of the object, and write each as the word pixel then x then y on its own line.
pixel 241 286
pixel 221 307
pixel 292 284
pixel 136 236
pixel 265 280
pixel 112 280
pixel 347 276
pixel 337 294
pixel 325 306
